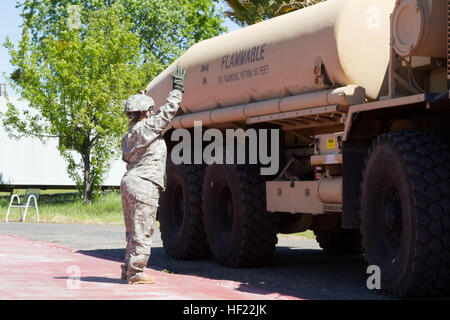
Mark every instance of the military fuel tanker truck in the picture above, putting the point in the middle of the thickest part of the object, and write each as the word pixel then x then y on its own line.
pixel 358 93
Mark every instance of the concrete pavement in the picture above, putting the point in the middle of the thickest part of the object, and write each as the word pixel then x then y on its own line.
pixel 38 270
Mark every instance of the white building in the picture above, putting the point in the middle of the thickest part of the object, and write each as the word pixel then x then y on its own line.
pixel 29 162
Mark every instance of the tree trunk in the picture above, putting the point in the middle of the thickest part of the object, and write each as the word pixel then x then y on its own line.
pixel 87 185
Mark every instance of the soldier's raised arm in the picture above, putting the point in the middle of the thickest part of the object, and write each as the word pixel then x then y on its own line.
pixel 167 112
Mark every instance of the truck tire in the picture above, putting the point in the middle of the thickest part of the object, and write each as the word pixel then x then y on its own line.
pixel 240 232
pixel 180 213
pixel 340 241
pixel 405 213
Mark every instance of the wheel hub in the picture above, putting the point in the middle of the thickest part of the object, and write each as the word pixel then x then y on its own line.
pixel 392 218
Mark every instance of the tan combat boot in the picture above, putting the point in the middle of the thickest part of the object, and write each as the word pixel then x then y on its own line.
pixel 141 278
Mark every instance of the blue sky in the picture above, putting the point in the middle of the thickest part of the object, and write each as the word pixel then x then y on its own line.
pixel 10 22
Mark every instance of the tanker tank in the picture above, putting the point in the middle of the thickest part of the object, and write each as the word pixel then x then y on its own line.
pixel 332 44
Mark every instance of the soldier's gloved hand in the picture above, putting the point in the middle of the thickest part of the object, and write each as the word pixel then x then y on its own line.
pixel 178 79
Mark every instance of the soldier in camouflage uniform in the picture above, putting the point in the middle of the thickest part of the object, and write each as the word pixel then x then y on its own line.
pixel 144 151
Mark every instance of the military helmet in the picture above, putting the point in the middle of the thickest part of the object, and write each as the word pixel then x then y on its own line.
pixel 139 102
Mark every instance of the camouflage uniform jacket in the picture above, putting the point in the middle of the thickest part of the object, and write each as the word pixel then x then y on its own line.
pixel 144 149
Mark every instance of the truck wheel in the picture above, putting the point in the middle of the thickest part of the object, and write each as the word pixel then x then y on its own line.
pixel 340 241
pixel 240 232
pixel 180 213
pixel 405 213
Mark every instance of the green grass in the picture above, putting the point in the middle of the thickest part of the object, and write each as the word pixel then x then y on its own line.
pixel 304 235
pixel 107 209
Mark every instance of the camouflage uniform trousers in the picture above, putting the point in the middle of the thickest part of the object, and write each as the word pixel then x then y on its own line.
pixel 140 204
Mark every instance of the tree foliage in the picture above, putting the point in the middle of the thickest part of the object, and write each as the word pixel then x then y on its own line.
pixel 76 77
pixel 166 27
pixel 75 81
pixel 169 27
pixel 247 12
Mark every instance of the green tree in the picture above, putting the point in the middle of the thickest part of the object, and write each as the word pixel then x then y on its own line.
pixel 169 27
pixel 247 12
pixel 76 79
pixel 166 27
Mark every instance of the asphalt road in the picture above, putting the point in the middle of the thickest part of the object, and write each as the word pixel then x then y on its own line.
pixel 298 268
